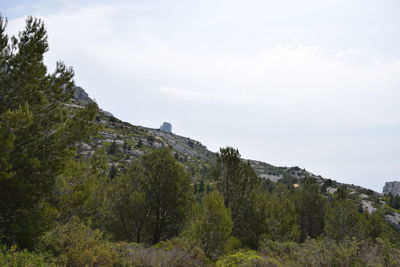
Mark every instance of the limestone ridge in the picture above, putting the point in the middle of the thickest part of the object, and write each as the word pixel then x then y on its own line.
pixel 392 188
pixel 131 141
pixel 135 140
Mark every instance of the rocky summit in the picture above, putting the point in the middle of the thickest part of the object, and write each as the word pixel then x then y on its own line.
pixel 166 127
pixel 392 188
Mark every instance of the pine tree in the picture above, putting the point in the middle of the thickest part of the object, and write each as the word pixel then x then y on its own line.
pixel 311 208
pixel 211 226
pixel 151 199
pixel 343 221
pixel 38 133
pixel 236 182
pixel 113 148
pixel 113 172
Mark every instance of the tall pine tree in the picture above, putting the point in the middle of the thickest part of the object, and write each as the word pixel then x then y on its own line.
pixel 38 133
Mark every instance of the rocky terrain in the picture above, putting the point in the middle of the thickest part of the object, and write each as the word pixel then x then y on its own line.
pixel 392 188
pixel 124 142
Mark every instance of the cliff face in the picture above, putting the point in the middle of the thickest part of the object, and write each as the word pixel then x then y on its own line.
pixel 392 187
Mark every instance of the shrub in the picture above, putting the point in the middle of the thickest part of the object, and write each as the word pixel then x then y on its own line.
pixel 324 252
pixel 75 244
pixel 12 257
pixel 175 252
pixel 246 258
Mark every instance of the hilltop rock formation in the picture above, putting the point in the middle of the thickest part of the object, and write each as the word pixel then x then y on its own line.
pixel 392 188
pixel 166 127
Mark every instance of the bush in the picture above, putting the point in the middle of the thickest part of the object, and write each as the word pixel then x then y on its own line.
pixel 75 244
pixel 246 258
pixel 324 252
pixel 12 257
pixel 175 252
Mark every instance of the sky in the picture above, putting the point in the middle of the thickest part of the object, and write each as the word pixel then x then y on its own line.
pixel 307 83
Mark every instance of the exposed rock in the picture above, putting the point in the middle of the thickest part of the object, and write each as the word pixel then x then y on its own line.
pixel 157 145
pixel 331 190
pixel 392 187
pixel 367 206
pixel 193 154
pixel 273 178
pixel 81 96
pixel 393 219
pixel 106 113
pixel 136 153
pixel 166 127
pixel 119 142
pixel 85 147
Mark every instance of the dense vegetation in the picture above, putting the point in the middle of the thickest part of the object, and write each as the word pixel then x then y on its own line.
pixel 61 208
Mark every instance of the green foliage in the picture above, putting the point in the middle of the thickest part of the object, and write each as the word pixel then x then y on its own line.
pixel 113 171
pixel 341 193
pixel 151 199
pixel 245 258
pixel 394 201
pixel 211 226
pixel 324 252
pixel 375 225
pixel 82 189
pixel 51 197
pixel 175 252
pixel 39 133
pixel 13 257
pixel 275 216
pixel 236 182
pixel 75 244
pixel 311 207
pixel 343 220
pixel 139 144
pixel 113 148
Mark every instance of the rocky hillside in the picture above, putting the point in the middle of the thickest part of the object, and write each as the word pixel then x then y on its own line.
pixel 124 142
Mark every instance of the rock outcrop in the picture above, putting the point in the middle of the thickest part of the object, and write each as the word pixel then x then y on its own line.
pixel 393 218
pixel 392 188
pixel 82 99
pixel 81 96
pixel 166 127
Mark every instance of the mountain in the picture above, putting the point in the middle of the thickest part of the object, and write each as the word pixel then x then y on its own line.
pixel 125 142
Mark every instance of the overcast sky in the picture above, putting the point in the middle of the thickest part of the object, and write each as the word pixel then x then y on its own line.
pixel 307 83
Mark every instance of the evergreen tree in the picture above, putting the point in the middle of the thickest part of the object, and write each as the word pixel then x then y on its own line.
pixel 151 199
pixel 236 182
pixel 211 226
pixel 201 186
pixel 82 189
pixel 343 220
pixel 274 216
pixel 38 133
pixel 113 148
pixel 341 193
pixel 113 171
pixel 311 210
